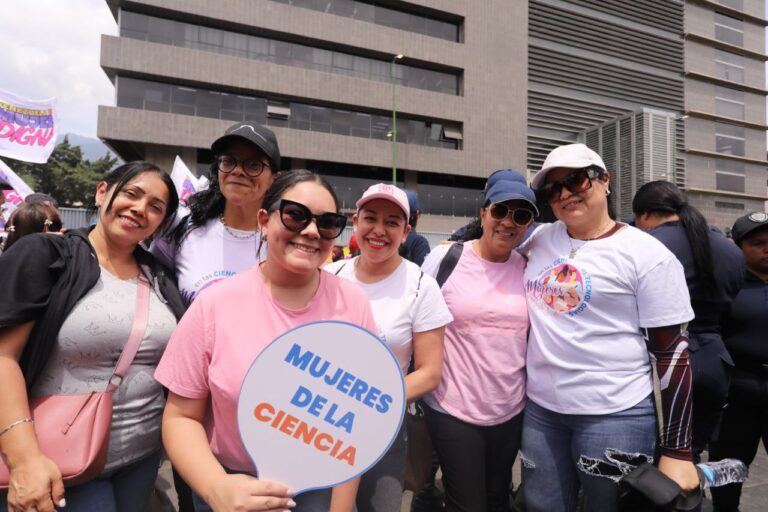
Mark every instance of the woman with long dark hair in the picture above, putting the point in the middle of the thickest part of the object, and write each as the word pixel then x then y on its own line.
pixel 714 272
pixel 67 308
pixel 220 236
pixel 229 325
pixel 31 218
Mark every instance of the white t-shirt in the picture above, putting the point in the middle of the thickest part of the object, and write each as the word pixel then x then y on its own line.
pixel 586 353
pixel 405 302
pixel 207 255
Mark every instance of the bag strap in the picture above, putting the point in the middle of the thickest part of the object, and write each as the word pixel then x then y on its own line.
pixel 138 330
pixel 448 263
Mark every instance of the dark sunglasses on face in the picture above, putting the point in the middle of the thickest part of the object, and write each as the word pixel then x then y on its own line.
pixel 520 216
pixel 575 183
pixel 252 167
pixel 296 217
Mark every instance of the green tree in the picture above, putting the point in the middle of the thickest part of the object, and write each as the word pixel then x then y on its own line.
pixel 66 176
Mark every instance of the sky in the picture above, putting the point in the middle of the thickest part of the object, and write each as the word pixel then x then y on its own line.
pixel 51 49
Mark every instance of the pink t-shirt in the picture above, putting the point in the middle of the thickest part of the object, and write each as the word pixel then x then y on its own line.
pixel 224 330
pixel 483 380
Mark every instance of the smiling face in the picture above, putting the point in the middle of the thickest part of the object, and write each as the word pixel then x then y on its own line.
pixel 380 229
pixel 582 210
pixel 137 210
pixel 237 187
pixel 298 253
pixel 501 236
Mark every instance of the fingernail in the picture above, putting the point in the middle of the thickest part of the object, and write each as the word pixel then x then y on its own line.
pixel 62 503
pixel 291 503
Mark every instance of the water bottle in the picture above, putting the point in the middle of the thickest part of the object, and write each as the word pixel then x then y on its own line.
pixel 722 472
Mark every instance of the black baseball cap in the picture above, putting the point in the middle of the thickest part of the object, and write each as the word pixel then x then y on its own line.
pixel 747 224
pixel 261 136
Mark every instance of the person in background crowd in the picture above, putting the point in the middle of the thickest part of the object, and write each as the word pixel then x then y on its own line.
pixel 30 218
pixel 299 222
pixel 417 247
pixel 475 414
pixel 39 197
pixel 66 311
pixel 745 420
pixel 337 253
pixel 714 272
pixel 601 295
pixel 220 237
pixel 354 247
pixel 411 314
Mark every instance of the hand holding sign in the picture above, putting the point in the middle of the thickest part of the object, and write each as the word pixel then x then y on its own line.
pixel 320 405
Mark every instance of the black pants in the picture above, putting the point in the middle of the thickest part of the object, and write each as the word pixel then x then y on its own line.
pixel 476 461
pixel 711 365
pixel 745 422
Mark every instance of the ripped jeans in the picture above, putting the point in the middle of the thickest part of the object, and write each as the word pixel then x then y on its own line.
pixel 562 452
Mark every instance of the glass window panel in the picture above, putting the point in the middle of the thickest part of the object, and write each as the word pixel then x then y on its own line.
pixel 729 102
pixel 321 119
pixel 157 97
pixel 729 66
pixel 342 62
pixel 365 12
pixel 341 122
pixel 255 109
pixel 323 59
pixel 210 39
pixel 302 56
pixel 301 116
pixel 380 127
pixel 341 7
pixel 729 182
pixel 281 52
pixel 729 145
pixel 728 29
pixel 208 104
pixel 258 47
pixel 417 132
pixel 730 166
pixel 130 93
pixel 231 107
pixel 736 4
pixel 402 130
pixel 133 25
pixel 183 100
pixel 361 125
pixel 235 44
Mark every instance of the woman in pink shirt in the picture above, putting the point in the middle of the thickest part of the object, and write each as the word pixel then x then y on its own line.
pixel 475 414
pixel 228 325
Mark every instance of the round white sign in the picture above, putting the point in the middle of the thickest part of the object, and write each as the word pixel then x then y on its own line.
pixel 320 405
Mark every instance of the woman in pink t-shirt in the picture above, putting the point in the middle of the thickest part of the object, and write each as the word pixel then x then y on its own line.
pixel 475 414
pixel 228 325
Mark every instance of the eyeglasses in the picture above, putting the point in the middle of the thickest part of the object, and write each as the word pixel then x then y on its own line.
pixel 575 183
pixel 296 217
pixel 252 167
pixel 520 216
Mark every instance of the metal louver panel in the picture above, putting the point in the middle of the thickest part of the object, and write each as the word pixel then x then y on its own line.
pixel 597 35
pixel 664 14
pixel 555 68
pixel 566 113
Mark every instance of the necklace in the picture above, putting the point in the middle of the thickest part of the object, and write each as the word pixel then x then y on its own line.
pixel 574 250
pixel 235 234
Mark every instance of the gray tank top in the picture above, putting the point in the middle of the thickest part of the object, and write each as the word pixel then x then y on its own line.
pixel 89 344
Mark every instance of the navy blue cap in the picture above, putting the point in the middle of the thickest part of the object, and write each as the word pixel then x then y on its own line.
pixel 413 200
pixel 747 224
pixel 505 190
pixel 505 175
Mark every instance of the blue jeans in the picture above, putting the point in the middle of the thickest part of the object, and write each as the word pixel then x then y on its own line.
pixel 126 489
pixel 562 452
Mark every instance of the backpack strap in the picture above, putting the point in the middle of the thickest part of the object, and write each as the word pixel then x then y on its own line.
pixel 448 263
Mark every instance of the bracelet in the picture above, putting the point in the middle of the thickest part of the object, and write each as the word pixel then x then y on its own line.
pixel 15 423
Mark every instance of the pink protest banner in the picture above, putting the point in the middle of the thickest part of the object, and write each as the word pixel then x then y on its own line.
pixel 28 128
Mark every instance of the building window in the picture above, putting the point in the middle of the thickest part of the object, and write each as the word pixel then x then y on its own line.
pixel 736 4
pixel 729 206
pixel 729 139
pixel 729 102
pixel 161 97
pixel 729 175
pixel 729 29
pixel 185 35
pixel 729 66
pixel 380 15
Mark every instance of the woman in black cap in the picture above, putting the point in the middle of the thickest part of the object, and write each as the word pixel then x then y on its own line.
pixel 220 237
pixel 745 421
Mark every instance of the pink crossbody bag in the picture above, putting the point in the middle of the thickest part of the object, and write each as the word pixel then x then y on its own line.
pixel 73 430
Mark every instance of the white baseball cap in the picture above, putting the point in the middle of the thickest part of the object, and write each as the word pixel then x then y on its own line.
pixel 388 192
pixel 570 156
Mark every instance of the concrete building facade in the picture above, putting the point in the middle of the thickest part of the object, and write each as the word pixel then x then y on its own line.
pixel 481 85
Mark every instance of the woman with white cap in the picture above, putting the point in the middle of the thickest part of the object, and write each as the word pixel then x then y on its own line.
pixel 602 296
pixel 410 312
pixel 475 414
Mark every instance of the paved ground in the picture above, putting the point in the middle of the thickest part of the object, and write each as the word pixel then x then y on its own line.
pixel 753 499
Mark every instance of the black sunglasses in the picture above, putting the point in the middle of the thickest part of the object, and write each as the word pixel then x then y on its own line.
pixel 296 217
pixel 252 167
pixel 575 183
pixel 520 216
